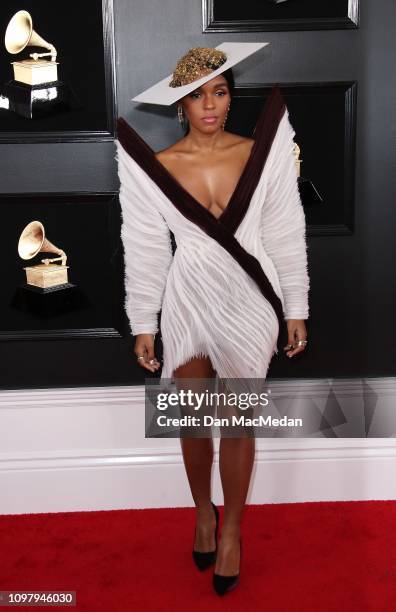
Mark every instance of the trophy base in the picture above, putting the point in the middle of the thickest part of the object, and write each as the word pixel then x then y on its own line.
pixel 49 302
pixel 35 72
pixel 46 276
pixel 45 290
pixel 38 101
pixel 308 192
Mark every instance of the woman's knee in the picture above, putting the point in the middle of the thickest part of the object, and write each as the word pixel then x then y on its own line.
pixel 197 367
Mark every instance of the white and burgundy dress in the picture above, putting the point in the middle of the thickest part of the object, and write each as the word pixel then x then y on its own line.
pixel 232 280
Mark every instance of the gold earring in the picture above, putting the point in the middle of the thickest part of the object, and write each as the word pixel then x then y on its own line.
pixel 225 119
pixel 180 114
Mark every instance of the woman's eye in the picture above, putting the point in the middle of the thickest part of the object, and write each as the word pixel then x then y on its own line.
pixel 196 94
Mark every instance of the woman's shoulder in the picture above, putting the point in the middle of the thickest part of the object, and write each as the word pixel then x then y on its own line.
pixel 231 141
pixel 169 152
pixel 235 140
pixel 238 145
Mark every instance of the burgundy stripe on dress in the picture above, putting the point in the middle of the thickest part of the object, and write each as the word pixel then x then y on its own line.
pixel 265 132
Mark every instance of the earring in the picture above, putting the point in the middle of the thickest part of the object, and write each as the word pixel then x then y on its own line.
pixel 180 114
pixel 225 119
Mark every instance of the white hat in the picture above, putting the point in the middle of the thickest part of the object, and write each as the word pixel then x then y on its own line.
pixel 162 93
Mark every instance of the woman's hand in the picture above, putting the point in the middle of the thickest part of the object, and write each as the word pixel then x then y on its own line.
pixel 144 347
pixel 296 331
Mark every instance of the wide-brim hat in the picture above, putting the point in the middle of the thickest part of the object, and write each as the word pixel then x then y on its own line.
pixel 162 93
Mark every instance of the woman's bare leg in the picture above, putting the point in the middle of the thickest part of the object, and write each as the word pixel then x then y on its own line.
pixel 236 462
pixel 198 460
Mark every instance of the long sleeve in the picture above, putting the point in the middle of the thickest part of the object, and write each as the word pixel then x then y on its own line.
pixel 147 247
pixel 283 226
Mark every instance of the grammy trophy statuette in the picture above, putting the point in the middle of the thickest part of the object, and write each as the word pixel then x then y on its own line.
pixel 308 192
pixel 47 275
pixel 35 90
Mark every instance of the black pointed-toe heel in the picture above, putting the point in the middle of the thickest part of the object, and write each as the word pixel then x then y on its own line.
pixel 203 560
pixel 225 584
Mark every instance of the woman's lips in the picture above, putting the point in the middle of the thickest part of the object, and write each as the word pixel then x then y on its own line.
pixel 209 119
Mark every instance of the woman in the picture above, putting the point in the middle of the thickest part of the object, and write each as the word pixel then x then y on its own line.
pixel 239 270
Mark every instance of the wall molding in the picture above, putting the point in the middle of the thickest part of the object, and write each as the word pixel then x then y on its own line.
pixel 84 449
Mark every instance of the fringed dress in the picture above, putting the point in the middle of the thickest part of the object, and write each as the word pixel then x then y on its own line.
pixel 233 280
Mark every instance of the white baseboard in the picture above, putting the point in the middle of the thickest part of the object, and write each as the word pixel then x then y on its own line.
pixel 84 449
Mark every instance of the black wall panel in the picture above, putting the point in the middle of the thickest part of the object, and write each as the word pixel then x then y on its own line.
pixel 353 295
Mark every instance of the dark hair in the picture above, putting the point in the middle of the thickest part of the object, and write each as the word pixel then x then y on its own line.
pixel 229 77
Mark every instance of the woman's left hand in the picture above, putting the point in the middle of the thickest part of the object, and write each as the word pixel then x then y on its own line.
pixel 296 331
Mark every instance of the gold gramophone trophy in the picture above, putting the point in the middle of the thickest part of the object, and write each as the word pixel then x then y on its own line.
pixel 308 192
pixel 47 275
pixel 297 151
pixel 34 71
pixel 35 90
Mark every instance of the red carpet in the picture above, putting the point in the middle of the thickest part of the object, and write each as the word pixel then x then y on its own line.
pixel 337 556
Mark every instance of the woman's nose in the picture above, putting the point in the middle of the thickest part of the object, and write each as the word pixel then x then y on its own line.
pixel 208 102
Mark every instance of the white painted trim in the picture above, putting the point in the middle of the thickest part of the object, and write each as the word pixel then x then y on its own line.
pixel 268 451
pixel 84 449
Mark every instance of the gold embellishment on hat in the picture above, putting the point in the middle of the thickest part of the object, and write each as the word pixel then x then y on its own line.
pixel 195 64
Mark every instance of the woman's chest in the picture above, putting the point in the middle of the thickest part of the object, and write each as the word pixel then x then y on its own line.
pixel 210 180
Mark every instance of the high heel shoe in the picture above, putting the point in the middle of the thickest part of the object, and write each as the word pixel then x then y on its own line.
pixel 203 560
pixel 225 584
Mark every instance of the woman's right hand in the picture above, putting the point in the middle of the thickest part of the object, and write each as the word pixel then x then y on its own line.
pixel 144 347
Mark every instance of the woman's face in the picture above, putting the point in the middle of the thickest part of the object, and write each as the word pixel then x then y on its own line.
pixel 206 107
